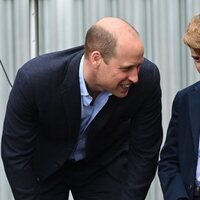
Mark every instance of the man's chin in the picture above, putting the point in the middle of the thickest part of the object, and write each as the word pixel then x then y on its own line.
pixel 121 94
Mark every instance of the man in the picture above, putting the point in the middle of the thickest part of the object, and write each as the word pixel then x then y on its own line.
pixel 85 120
pixel 178 169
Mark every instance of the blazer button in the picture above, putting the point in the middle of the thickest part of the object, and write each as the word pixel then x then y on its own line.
pixel 38 179
pixel 190 187
pixel 57 165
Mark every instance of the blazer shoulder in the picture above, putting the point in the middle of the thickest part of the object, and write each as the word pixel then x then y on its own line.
pixel 149 68
pixel 149 65
pixel 189 89
pixel 53 60
pixel 149 73
pixel 51 66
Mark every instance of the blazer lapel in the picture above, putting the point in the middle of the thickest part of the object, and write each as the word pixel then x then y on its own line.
pixel 104 115
pixel 194 110
pixel 70 91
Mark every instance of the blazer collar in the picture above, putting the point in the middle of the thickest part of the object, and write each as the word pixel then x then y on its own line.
pixel 194 111
pixel 70 92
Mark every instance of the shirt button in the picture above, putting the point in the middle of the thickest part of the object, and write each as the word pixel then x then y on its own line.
pixel 38 179
pixel 190 187
pixel 57 165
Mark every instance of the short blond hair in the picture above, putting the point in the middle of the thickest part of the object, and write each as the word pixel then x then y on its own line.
pixel 192 36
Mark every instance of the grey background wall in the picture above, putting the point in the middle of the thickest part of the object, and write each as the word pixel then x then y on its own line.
pixel 63 24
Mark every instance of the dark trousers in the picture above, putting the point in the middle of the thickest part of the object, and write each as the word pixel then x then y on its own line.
pixel 86 180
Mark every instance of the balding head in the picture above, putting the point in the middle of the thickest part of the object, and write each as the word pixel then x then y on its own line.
pixel 115 25
pixel 107 34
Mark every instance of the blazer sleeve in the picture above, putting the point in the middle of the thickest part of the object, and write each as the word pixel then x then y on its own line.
pixel 18 139
pixel 168 170
pixel 146 138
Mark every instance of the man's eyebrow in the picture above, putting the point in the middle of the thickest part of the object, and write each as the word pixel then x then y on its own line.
pixel 131 66
pixel 128 67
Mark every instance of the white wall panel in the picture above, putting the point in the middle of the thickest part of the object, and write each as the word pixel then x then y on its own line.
pixel 14 51
pixel 63 24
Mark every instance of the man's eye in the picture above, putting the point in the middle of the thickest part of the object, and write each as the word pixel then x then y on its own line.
pixel 196 58
pixel 125 69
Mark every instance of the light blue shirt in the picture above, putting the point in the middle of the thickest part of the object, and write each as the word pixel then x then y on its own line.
pixel 88 113
pixel 198 168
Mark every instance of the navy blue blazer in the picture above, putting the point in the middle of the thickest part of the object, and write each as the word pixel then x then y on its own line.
pixel 42 123
pixel 177 167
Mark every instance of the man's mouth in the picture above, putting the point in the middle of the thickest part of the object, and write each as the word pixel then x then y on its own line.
pixel 125 85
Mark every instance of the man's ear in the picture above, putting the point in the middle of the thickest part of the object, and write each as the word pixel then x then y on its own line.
pixel 95 58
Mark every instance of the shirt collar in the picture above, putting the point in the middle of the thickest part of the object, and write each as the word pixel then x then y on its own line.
pixel 85 96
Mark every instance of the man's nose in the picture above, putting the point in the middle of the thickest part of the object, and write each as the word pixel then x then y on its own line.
pixel 133 75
